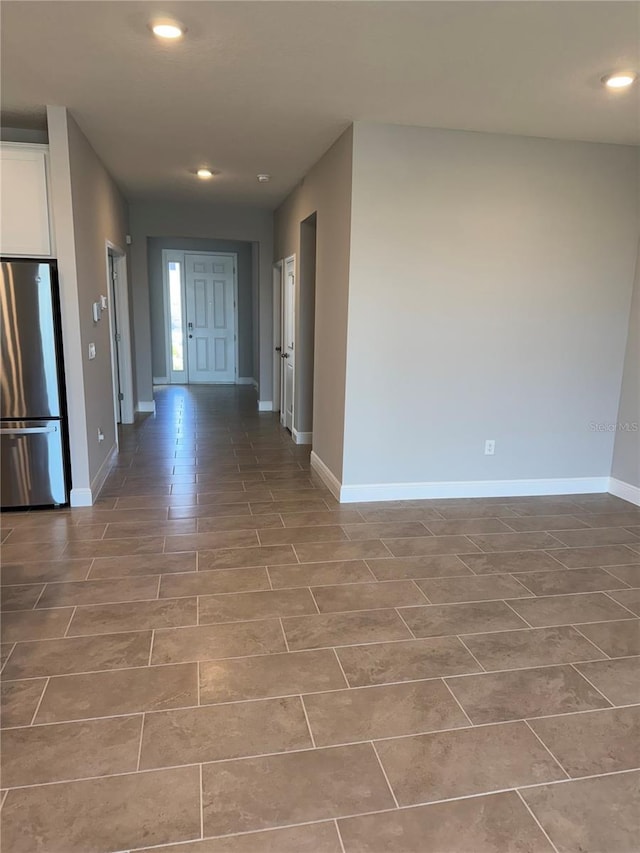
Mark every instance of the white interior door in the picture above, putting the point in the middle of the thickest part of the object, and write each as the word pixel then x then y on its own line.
pixel 210 315
pixel 288 343
pixel 277 336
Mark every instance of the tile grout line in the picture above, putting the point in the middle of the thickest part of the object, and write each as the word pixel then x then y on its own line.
pixel 593 642
pixel 344 674
pixel 142 722
pixel 540 826
pixel 544 745
pixel 153 633
pixel 342 847
pixel 461 640
pixel 66 631
pixel 306 716
pixel 201 802
pixel 286 642
pixel 459 704
pixel 384 773
pixel 619 603
pixel 582 675
pixel 37 708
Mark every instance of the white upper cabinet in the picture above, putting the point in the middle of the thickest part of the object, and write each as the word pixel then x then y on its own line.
pixel 25 222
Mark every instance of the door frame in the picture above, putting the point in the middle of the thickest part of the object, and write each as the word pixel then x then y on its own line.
pixel 121 362
pixel 180 256
pixel 278 274
pixel 283 415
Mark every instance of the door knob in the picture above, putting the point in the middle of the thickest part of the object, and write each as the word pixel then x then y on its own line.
pixel 278 349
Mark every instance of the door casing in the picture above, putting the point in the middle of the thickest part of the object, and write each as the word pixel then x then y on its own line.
pixel 171 255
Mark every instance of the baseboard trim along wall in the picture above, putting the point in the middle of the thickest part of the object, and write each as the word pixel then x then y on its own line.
pixel 245 380
pixel 326 475
pixel 302 437
pixel 625 491
pixel 103 472
pixel 146 406
pixel 461 489
pixel 160 380
pixel 80 497
pixel 265 406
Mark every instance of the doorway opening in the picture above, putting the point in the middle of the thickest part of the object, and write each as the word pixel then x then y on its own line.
pixel 201 317
pixel 294 334
pixel 119 335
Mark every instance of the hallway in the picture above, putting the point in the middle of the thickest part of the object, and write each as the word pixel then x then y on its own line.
pixel 219 648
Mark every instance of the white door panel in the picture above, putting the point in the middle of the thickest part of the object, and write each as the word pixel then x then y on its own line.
pixel 288 342
pixel 210 310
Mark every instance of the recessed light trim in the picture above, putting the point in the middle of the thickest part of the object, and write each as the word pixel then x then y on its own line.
pixel 204 174
pixel 167 29
pixel 619 79
pixel 263 178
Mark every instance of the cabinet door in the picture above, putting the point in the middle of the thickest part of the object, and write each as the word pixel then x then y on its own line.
pixel 24 209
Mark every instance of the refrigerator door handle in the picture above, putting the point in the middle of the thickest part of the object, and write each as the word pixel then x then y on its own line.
pixel 27 430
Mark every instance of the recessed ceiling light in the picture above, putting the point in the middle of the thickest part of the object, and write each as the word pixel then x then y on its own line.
pixel 167 29
pixel 205 174
pixel 264 178
pixel 619 79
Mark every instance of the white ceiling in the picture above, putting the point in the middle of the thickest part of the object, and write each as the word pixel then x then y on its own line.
pixel 267 86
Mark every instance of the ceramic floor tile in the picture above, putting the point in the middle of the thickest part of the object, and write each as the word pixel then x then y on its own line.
pixel 346 716
pixel 546 522
pixel 617 639
pixel 211 541
pixel 235 607
pixel 129 529
pixel 43 571
pixel 80 817
pixel 408 660
pixel 320 574
pixel 419 546
pixel 214 582
pixel 444 619
pixel 115 547
pixel 309 838
pixel 597 742
pixel 628 574
pixel 213 642
pixel 242 522
pixel 155 564
pixel 300 535
pixel 384 530
pixel 20 597
pixel 78 654
pixel 590 815
pixel 38 754
pixel 319 517
pixel 464 526
pixel 189 736
pixel 513 562
pixel 269 675
pixel 35 624
pixel 19 700
pixel 489 824
pixel 123 691
pixel 600 555
pixel 569 609
pixel 629 598
pixel 597 536
pixel 367 596
pixel 476 760
pixel 618 680
pixel 491 587
pixel 99 591
pixel 418 567
pixel 343 629
pixel 270 791
pixel 321 551
pixel 576 580
pixel 233 558
pixel 514 541
pixel 499 696
pixel 535 647
pixel 135 616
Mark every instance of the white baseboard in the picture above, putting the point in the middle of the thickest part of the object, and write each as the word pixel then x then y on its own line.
pixel 146 406
pixel 302 437
pixel 245 380
pixel 265 406
pixel 103 472
pixel 160 380
pixel 473 489
pixel 81 497
pixel 625 491
pixel 326 475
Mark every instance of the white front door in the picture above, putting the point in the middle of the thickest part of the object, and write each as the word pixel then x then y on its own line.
pixel 210 317
pixel 288 341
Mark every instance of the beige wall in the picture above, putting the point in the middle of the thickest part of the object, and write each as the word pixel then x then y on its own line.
pixel 88 211
pixel 489 298
pixel 626 455
pixel 326 189
pixel 203 222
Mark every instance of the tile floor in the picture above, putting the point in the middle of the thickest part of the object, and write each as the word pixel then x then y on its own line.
pixel 219 658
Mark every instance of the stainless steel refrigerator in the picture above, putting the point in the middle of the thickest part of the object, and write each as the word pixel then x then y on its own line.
pixel 33 432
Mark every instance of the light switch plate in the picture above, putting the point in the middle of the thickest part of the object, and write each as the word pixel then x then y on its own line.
pixel 92 351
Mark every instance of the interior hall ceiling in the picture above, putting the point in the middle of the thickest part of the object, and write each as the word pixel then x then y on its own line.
pixel 268 86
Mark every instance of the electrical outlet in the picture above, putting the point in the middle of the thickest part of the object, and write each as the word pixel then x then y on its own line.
pixel 92 351
pixel 489 447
